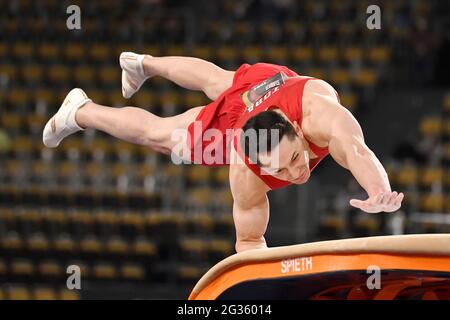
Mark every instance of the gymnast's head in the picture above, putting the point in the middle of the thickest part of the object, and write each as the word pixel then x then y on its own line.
pixel 277 146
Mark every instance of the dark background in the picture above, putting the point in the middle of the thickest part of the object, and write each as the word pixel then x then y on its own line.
pixel 140 227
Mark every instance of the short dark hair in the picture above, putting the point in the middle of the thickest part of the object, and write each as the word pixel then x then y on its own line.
pixel 268 120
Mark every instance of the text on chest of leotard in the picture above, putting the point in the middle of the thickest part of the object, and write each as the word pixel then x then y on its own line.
pixel 262 99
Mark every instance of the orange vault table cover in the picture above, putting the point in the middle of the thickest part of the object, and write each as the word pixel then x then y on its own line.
pixel 408 267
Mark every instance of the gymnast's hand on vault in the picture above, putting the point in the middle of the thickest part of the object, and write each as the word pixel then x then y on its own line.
pixel 385 201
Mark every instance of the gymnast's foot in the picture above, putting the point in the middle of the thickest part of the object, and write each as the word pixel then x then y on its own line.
pixel 63 123
pixel 133 74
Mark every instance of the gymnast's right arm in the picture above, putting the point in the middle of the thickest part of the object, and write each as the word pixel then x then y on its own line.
pixel 250 211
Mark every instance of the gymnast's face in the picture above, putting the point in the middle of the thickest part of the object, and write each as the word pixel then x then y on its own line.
pixel 293 159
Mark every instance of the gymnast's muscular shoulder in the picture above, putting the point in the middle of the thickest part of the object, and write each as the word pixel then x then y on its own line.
pixel 316 112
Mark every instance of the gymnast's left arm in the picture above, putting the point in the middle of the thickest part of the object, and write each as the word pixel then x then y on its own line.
pixel 348 148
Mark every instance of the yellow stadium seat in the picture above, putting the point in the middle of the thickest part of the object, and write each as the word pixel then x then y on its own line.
pixel 11 121
pixel 202 222
pixel 93 169
pixel 58 73
pixel 17 292
pixel 252 54
pixel 23 145
pixel 302 54
pixel 446 100
pixel 175 51
pixel 100 52
pixel 124 148
pixel 32 73
pixel 352 54
pixel 44 293
pixel 431 175
pixel 75 51
pixel 83 74
pixel 22 267
pixel 12 241
pixel 333 222
pixel 132 271
pixel 66 294
pixel 74 143
pixel 110 75
pixel 446 128
pixel 91 244
pixel 117 245
pixel 268 30
pixel 431 126
pixel 65 242
pixel 2 295
pixel 36 122
pixel 199 197
pixel 197 174
pixel 38 242
pixel 221 175
pixel 316 73
pixel 3 268
pixel 447 179
pixel 170 98
pixel 366 77
pixel 379 54
pixel 222 247
pixel 144 247
pixel 291 28
pixel 224 198
pixel 407 176
pixel 192 246
pixel 19 96
pixel 345 29
pixel 116 98
pixel 224 224
pixel 4 49
pixel 227 53
pixel 202 52
pixel 82 217
pixel 369 223
pixel 23 50
pixel 153 50
pixel 50 268
pixel 8 70
pixel 277 54
pixel 100 145
pixel 105 270
pixel 349 100
pixel 134 219
pixel 127 47
pixel 328 54
pixel 242 29
pixel 189 273
pixel 447 204
pixel 319 29
pixel 340 77
pixel 45 95
pixel 106 217
pixel 144 99
pixel 67 169
pixel 91 26
pixel 432 203
pixel 99 96
pixel 145 170
pixel 49 51
pixel 194 99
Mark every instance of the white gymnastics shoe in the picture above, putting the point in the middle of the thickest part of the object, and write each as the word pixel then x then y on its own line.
pixel 133 75
pixel 63 123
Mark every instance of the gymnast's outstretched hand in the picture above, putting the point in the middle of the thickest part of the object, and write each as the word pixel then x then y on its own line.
pixel 381 202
